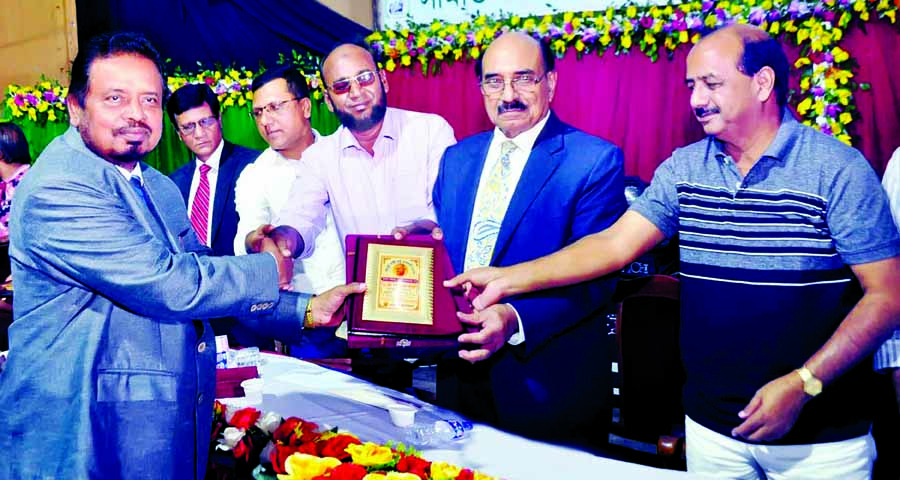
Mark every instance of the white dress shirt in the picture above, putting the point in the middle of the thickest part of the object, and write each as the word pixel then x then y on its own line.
pixel 260 193
pixel 517 160
pixel 213 175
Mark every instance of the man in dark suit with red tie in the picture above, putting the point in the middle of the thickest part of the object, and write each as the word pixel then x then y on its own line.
pixel 207 183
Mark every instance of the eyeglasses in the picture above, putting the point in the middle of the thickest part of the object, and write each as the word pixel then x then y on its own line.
pixel 272 108
pixel 364 79
pixel 188 128
pixel 494 85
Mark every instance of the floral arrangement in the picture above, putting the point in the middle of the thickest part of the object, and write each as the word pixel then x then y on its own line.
pixel 294 449
pixel 41 103
pixel 825 99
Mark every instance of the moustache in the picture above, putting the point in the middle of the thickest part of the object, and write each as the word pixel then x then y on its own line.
pixel 701 112
pixel 126 129
pixel 513 106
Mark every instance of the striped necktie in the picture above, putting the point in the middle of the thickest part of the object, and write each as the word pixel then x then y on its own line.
pixel 200 207
pixel 489 211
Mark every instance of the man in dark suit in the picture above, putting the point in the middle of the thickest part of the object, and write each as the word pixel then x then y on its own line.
pixel 207 183
pixel 528 188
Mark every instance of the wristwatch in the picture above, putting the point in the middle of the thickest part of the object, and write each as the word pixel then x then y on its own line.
pixel 308 316
pixel 812 386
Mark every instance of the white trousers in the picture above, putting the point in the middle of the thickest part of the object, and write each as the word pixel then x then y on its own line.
pixel 711 454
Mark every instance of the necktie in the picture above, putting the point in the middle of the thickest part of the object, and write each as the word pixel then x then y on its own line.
pixel 200 207
pixel 139 189
pixel 489 211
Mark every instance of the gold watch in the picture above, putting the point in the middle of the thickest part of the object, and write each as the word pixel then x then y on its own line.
pixel 308 316
pixel 812 386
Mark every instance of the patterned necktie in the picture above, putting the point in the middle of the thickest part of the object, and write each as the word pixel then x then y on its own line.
pixel 490 210
pixel 200 207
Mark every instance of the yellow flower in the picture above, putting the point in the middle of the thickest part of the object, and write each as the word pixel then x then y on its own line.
pixel 374 37
pixel 391 476
pixel 626 41
pixel 802 35
pixel 475 52
pixel 605 39
pixel 46 85
pixel 649 39
pixel 683 36
pixel 892 15
pixel 631 11
pixel 405 60
pixel 301 466
pixel 229 102
pixel 804 83
pixel 804 106
pixel 444 471
pixel 568 16
pixel 845 118
pixel 840 55
pixel 775 28
pixel 51 116
pixel 529 24
pixel 390 65
pixel 32 115
pixel 234 74
pixel 514 20
pixel 370 454
pixel 802 62
pixel 845 138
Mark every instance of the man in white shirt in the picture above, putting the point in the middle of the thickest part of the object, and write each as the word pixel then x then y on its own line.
pixel 281 108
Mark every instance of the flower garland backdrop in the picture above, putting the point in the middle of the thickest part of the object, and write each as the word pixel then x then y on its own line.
pixel 825 99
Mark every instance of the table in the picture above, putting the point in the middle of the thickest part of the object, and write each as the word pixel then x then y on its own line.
pixel 297 388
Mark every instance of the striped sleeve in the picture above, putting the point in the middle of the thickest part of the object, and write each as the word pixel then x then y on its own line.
pixel 888 356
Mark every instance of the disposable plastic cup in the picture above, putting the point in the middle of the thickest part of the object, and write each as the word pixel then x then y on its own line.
pixel 253 389
pixel 402 415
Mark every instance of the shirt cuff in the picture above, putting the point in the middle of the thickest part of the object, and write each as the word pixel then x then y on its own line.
pixel 517 338
pixel 888 356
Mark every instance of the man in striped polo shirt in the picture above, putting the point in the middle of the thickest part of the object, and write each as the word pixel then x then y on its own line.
pixel 790 263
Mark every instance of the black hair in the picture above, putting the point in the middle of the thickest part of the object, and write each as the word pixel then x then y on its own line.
pixel 190 96
pixel 13 145
pixel 547 55
pixel 107 45
pixel 296 82
pixel 766 53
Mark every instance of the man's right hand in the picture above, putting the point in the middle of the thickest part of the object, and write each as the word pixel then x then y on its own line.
pixel 485 286
pixel 286 239
pixel 284 263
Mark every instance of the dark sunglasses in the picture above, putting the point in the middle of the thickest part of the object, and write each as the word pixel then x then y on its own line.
pixel 364 79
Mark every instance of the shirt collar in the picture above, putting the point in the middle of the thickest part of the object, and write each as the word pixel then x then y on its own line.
pixel 525 140
pixel 389 129
pixel 781 144
pixel 215 159
pixel 136 172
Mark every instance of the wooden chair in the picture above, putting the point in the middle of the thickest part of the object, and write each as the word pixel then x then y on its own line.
pixel 650 414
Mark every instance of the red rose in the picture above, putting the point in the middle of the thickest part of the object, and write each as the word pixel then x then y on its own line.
pixel 279 455
pixel 243 448
pixel 336 445
pixel 466 474
pixel 412 464
pixel 347 471
pixel 245 418
pixel 295 431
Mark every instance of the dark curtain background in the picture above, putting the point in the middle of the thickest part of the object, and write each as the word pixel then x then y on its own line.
pixel 239 32
pixel 644 107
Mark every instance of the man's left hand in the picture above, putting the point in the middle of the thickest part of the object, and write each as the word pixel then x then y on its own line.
pixel 327 308
pixel 772 412
pixel 496 323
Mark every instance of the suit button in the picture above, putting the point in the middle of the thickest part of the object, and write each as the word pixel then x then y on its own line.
pixel 201 347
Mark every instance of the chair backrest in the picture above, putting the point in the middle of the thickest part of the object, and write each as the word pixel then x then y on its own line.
pixel 652 376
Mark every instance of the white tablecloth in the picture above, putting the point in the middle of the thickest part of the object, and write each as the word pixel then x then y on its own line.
pixel 297 388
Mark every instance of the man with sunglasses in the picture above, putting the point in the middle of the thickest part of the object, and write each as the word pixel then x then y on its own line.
pixel 207 183
pixel 529 187
pixel 376 171
pixel 282 110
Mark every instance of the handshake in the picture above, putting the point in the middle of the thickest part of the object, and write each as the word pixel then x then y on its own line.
pixel 285 243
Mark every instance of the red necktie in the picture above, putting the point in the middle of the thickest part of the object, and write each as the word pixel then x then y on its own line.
pixel 200 207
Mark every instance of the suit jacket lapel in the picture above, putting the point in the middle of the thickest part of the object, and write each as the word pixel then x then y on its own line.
pixel 469 175
pixel 542 162
pixel 224 189
pixel 152 185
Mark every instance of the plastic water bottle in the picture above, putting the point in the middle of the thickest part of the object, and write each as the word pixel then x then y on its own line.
pixel 439 432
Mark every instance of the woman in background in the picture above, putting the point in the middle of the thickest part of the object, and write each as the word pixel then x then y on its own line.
pixel 14 162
